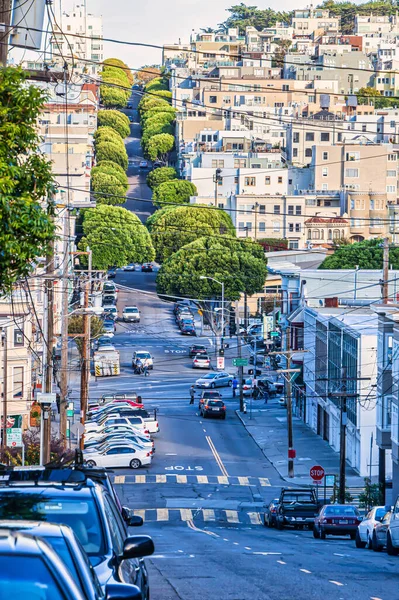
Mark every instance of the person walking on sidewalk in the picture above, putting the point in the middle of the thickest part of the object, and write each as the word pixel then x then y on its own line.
pixel 192 394
pixel 234 386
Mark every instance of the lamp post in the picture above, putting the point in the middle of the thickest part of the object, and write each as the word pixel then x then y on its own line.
pixel 222 284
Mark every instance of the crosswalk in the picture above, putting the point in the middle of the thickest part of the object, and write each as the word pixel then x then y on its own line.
pixel 199 516
pixel 170 478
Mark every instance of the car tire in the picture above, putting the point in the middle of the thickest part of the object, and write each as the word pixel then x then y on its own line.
pixel 91 463
pixel 391 550
pixel 352 536
pixel 322 534
pixel 135 463
pixel 369 543
pixel 224 417
pixel 359 542
pixel 316 534
pixel 375 545
pixel 212 385
pixel 230 383
pixel 279 525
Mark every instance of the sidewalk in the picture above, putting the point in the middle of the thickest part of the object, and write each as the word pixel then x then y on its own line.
pixel 268 427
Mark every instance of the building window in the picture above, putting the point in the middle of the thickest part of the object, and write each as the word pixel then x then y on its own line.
pixel 308 152
pixel 351 172
pixel 250 181
pixel 279 179
pixel 298 210
pixel 309 136
pixel 324 136
pixel 239 163
pixel 391 173
pixel 267 180
pixel 324 172
pixel 18 382
pixel 276 225
pixel 218 164
pixel 325 155
pixel 276 209
pixel 330 234
pixel 256 166
pixel 19 335
pixel 392 157
pixel 298 227
pixel 213 99
pixel 351 156
pixel 316 234
pixel 291 227
pixel 293 244
pixel 295 152
pixel 249 226
pixel 262 209
pixel 295 137
pixel 290 209
pixel 324 187
pixel 262 226
pixel 236 179
pixel 391 189
pixel 241 226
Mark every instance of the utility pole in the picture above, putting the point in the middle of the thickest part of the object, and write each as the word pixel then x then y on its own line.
pixel 64 331
pixel 216 179
pixel 342 441
pixel 5 393
pixel 49 344
pixel 256 206
pixel 385 272
pixel 85 369
pixel 5 17
pixel 240 369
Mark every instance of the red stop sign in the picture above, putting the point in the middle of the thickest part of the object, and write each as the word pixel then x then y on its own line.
pixel 317 473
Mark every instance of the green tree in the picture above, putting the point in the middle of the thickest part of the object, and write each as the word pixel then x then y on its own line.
pixel 107 134
pixel 280 52
pixel 113 152
pixel 116 62
pixel 155 129
pixel 348 10
pixel 181 225
pixel 147 73
pixel 159 118
pixel 111 168
pixel 367 95
pixel 75 326
pixel 174 192
pixel 243 16
pixel 108 188
pixel 115 119
pixel 239 264
pixel 111 96
pixel 160 175
pixel 25 179
pixel 367 255
pixel 151 102
pixel 116 237
pixel 164 94
pixel 156 84
pixel 159 147
pixel 157 108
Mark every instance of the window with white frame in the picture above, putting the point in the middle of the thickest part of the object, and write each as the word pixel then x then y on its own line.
pixel 262 226
pixel 391 189
pixel 351 172
pixel 324 172
pixel 250 181
pixel 18 382
pixel 351 156
pixel 276 225
pixel 391 173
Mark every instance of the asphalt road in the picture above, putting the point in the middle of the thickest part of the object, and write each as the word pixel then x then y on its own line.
pixel 139 194
pixel 202 497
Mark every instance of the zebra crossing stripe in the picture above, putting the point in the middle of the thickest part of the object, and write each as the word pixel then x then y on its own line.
pixel 140 513
pixel 160 478
pixel 181 478
pixel 140 478
pixel 202 479
pixel 243 480
pixel 209 514
pixel 264 482
pixel 186 514
pixel 254 518
pixel 232 516
pixel 119 479
pixel 223 479
pixel 162 514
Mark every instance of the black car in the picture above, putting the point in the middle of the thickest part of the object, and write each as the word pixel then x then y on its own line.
pixel 67 547
pixel 197 349
pixel 213 408
pixel 111 273
pixel 269 517
pixel 109 300
pixel 70 497
pixel 146 268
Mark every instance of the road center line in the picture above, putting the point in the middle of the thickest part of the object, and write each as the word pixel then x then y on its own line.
pixel 216 455
pixel 281 562
pixel 336 582
pixel 305 571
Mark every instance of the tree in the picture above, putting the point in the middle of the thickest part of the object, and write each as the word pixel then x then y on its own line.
pixel 243 16
pixel 160 175
pixel 280 52
pixel 157 119
pixel 156 84
pixel 75 326
pixel 111 96
pixel 159 146
pixel 181 225
pixel 367 255
pixel 348 10
pixel 239 264
pixel 107 188
pixel 147 73
pixel 107 134
pixel 164 94
pixel 115 119
pixel 111 168
pixel 174 192
pixel 25 179
pixel 150 102
pixel 116 62
pixel 116 237
pixel 113 152
pixel 162 108
pixel 155 129
pixel 370 94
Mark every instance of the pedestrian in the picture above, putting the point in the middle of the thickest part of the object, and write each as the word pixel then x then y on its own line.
pixel 255 392
pixel 266 396
pixel 145 368
pixel 139 400
pixel 234 386
pixel 192 394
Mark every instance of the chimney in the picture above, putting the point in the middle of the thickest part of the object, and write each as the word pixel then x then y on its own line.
pixel 331 302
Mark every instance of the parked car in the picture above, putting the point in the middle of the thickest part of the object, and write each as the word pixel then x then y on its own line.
pixel 130 437
pixel 110 312
pixel 146 268
pixel 393 531
pixel 201 361
pixel 213 408
pixel 364 533
pixel 297 507
pixel 142 356
pixel 337 519
pixel 188 329
pixel 110 288
pixel 123 428
pixel 213 395
pixel 111 273
pixel 127 455
pixel 131 314
pixel 180 305
pixel 116 419
pixel 130 267
pixel 270 514
pixel 109 329
pixel 247 386
pixel 380 531
pixel 272 387
pixel 197 349
pixel 212 380
pixel 143 164
pixel 131 397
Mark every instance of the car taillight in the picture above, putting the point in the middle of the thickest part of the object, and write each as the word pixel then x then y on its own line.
pixel 148 453
pixel 273 510
pixel 146 431
pixel 223 408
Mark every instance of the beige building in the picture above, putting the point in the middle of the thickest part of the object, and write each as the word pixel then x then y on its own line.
pixel 323 232
pixel 314 21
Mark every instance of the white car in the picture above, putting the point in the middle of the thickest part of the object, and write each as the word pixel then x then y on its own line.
pixel 115 429
pixel 116 419
pixel 113 438
pixel 364 534
pixel 118 456
pixel 131 267
pixel 131 313
pixel 201 361
pixel 144 357
pixel 115 443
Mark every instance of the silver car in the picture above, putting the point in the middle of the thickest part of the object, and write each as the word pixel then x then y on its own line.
pixel 364 535
pixel 212 380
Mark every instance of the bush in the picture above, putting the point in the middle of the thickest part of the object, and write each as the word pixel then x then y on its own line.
pixel 108 189
pixel 110 168
pixel 116 62
pixel 113 152
pixel 174 192
pixel 107 134
pixel 113 97
pixel 160 175
pixel 114 119
pixel 159 146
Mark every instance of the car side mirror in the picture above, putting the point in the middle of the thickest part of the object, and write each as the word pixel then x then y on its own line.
pixel 137 546
pixel 130 518
pixel 122 591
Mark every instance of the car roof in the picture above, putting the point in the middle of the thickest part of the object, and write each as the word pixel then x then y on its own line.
pixel 13 542
pixel 39 528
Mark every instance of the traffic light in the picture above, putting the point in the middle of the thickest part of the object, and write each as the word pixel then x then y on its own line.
pixel 232 321
pixel 221 352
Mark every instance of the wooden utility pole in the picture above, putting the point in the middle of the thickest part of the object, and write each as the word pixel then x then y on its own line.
pixel 49 343
pixel 385 272
pixel 5 16
pixel 342 441
pixel 64 332
pixel 85 369
pixel 240 369
pixel 5 393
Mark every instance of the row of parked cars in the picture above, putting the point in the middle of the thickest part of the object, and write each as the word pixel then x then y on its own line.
pixel 64 536
pixel 300 508
pixel 184 317
pixel 118 433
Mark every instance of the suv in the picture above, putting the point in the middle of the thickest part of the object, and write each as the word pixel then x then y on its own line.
pixel 142 356
pixel 69 496
pixel 213 408
pixel 131 313
pixel 208 394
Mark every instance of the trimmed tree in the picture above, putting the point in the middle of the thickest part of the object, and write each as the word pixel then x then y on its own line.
pixel 160 175
pixel 111 151
pixel 179 226
pixel 108 134
pixel 174 192
pixel 111 168
pixel 76 326
pixel 155 129
pixel 25 179
pixel 367 255
pixel 116 62
pixel 159 147
pixel 115 119
pixel 147 73
pixel 116 237
pixel 157 108
pixel 108 188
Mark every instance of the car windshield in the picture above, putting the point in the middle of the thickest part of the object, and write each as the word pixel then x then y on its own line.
pixel 339 511
pixel 143 355
pixel 27 577
pixel 202 357
pixel 209 376
pixel 380 514
pixel 81 515
pixel 131 310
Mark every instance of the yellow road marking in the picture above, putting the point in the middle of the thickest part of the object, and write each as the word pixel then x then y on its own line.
pixel 216 455
pixel 119 479
pixel 222 479
pixel 254 518
pixel 140 513
pixel 162 514
pixel 243 480
pixel 232 516
pixel 181 478
pixel 264 481
pixel 160 478
pixel 186 514
pixel 209 514
pixel 140 478
pixel 202 479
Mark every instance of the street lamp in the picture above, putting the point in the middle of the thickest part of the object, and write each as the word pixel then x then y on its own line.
pixel 222 284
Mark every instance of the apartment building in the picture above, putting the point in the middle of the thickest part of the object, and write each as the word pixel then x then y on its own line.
pixel 267 39
pixel 376 24
pixel 211 49
pixel 314 22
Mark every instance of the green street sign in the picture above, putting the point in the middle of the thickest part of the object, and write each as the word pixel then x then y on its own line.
pixel 329 480
pixel 240 362
pixel 274 334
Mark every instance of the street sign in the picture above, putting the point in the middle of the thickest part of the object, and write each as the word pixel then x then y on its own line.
pixel 240 362
pixel 316 473
pixel 329 480
pixel 14 437
pixel 46 398
pixel 274 334
pixel 220 362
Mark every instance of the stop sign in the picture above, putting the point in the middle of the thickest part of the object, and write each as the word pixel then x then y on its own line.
pixel 317 473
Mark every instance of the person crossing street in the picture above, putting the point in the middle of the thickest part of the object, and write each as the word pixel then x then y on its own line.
pixel 234 386
pixel 192 394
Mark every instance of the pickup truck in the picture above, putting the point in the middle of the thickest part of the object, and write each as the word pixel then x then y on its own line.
pixel 297 507
pixel 150 420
